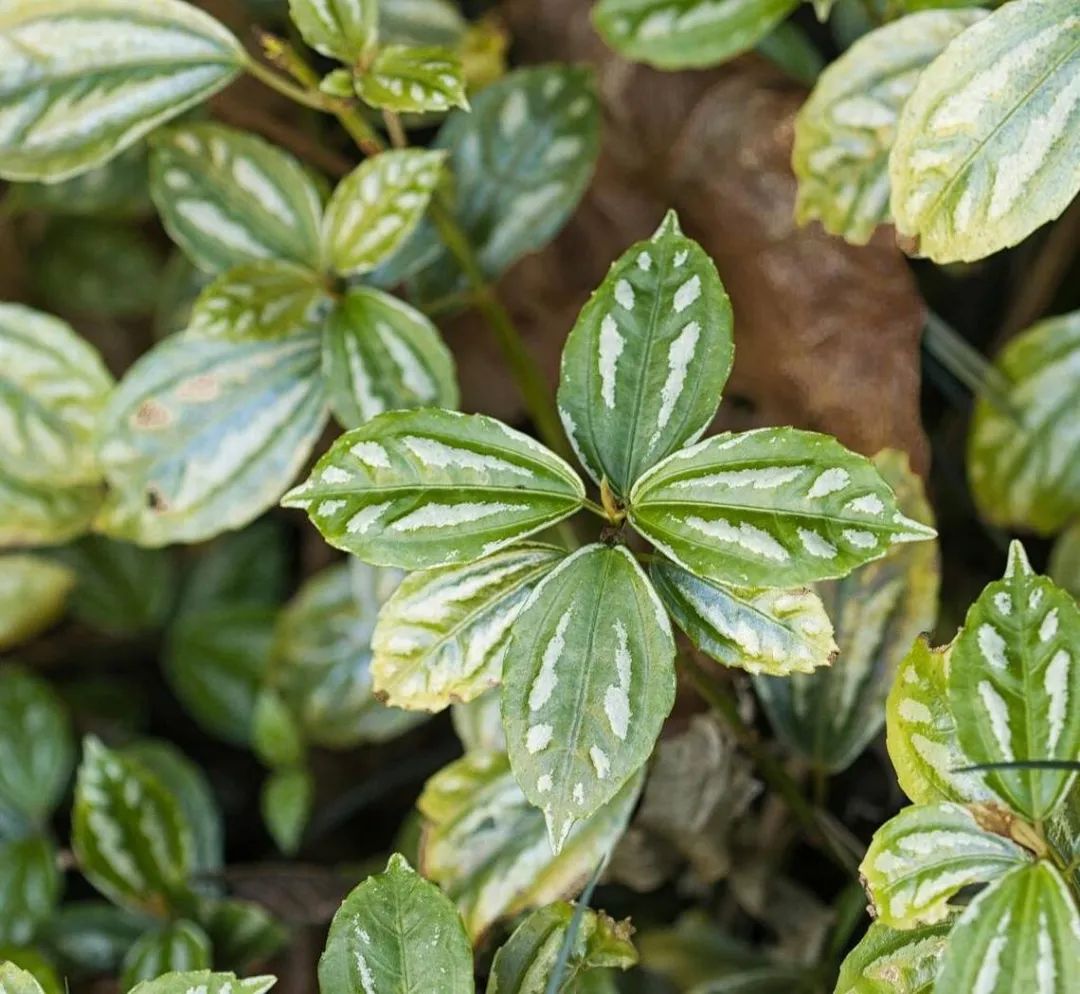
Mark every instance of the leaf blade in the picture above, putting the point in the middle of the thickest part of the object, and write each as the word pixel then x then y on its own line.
pixel 411 80
pixel 340 29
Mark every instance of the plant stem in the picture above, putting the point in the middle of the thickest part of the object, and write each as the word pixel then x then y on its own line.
pixel 966 363
pixel 308 97
pixel 395 130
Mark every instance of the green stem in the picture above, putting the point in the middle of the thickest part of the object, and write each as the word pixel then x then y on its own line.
pixel 850 909
pixel 308 97
pixel 966 363
pixel 591 505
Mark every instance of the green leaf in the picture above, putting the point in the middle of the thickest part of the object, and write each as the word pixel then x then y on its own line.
pixel 682 34
pixel 989 141
pixel 85 79
pixel 92 936
pixel 421 22
pixel 380 354
pixel 33 596
pixel 488 847
pixel 845 131
pixel 478 724
pixel 204 982
pixel 396 933
pixel 524 963
pixel 42 514
pixel 377 206
pixel 128 832
pixel 1064 567
pixel 202 435
pixel 242 932
pixel 341 29
pixel 16 981
pixel 1021 934
pixel 891 961
pixel 779 632
pixel 418 489
pixel 923 856
pixel 1014 680
pixel 592 630
pixel 644 366
pixel 30 883
pixel 286 806
pixel 413 80
pixel 775 507
pixel 1020 459
pixel 228 197
pixel 276 735
pixel 442 637
pixel 180 945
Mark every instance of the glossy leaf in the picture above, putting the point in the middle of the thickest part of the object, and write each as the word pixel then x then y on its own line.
pixel 341 29
pixel 1020 459
pixel 180 945
pixel 30 883
pixel 644 366
pixel 1014 680
pixel 893 961
pixel 92 936
pixel 407 80
pixel 379 354
pixel 845 131
pixel 202 435
pixel 204 981
pixel 988 147
pixel 286 806
pixel 85 79
pixel 418 489
pixel 774 507
pixel 442 637
pixel 592 630
pixel 33 596
pixel 227 197
pixel 421 22
pixel 396 932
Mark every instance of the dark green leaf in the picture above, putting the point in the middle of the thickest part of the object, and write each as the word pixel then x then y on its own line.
pixel 30 883
pixel 180 945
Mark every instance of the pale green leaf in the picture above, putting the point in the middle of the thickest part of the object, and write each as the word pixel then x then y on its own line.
pixel 413 80
pixel 180 945
pixel 341 29
pixel 276 736
pixel 845 130
pixel 204 982
pixel 42 514
pixel 202 435
pixel 488 847
pixel 988 146
pixel 380 354
pixel 893 961
pixel 442 637
pixel 421 22
pixel 85 79
pixel 1014 680
pixel 478 724
pixel 592 630
pixel 644 366
pixel 30 883
pixel 228 197
pixel 1022 460
pixel 33 596
pixel 1021 934
pixel 396 933
pixel 775 507
pixel 682 34
pixel 921 858
pixel 377 206
pixel 14 980
pixel 418 489
pixel 286 806
pixel 1064 568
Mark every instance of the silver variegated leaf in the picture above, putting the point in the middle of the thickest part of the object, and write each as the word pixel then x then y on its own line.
pixel 417 489
pixel 894 961
pixel 442 637
pixel 379 354
pixel 40 514
pixel 15 980
pixel 776 507
pixel 204 982
pixel 1021 934
pixel 341 29
pixel 179 945
pixel 1014 684
pixel 33 595
pixel 421 22
pixel 85 79
pixel 488 847
pixel 592 630
pixel 396 932
pixel 683 34
pixel 202 435
pixel 1022 459
pixel 779 632
pixel 30 883
pixel 988 147
pixel 921 858
pixel 413 80
pixel 644 367
pixel 377 207
pixel 845 130
pixel 478 724
pixel 228 197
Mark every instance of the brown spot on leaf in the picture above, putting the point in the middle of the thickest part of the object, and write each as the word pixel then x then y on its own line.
pixel 151 415
pixel 199 389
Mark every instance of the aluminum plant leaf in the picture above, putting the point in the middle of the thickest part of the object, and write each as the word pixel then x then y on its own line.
pixel 425 488
pixel 894 961
pixel 40 514
pixel 988 147
pixel 377 207
pixel 684 34
pixel 442 637
pixel 379 354
pixel 85 79
pixel 408 80
pixel 478 724
pixel 921 858
pixel 227 197
pixel 204 982
pixel 33 595
pixel 340 29
pixel 845 130
pixel 421 22
pixel 397 933
pixel 31 884
pixel 1022 460
pixel 179 945
pixel 15 980
pixel 1021 934
pixel 1014 680
pixel 776 507
pixel 645 364
pixel 203 435
pixel 592 630
pixel 488 847
pixel 128 832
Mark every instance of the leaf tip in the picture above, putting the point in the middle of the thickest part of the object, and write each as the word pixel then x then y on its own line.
pixel 669 226
pixel 1018 563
